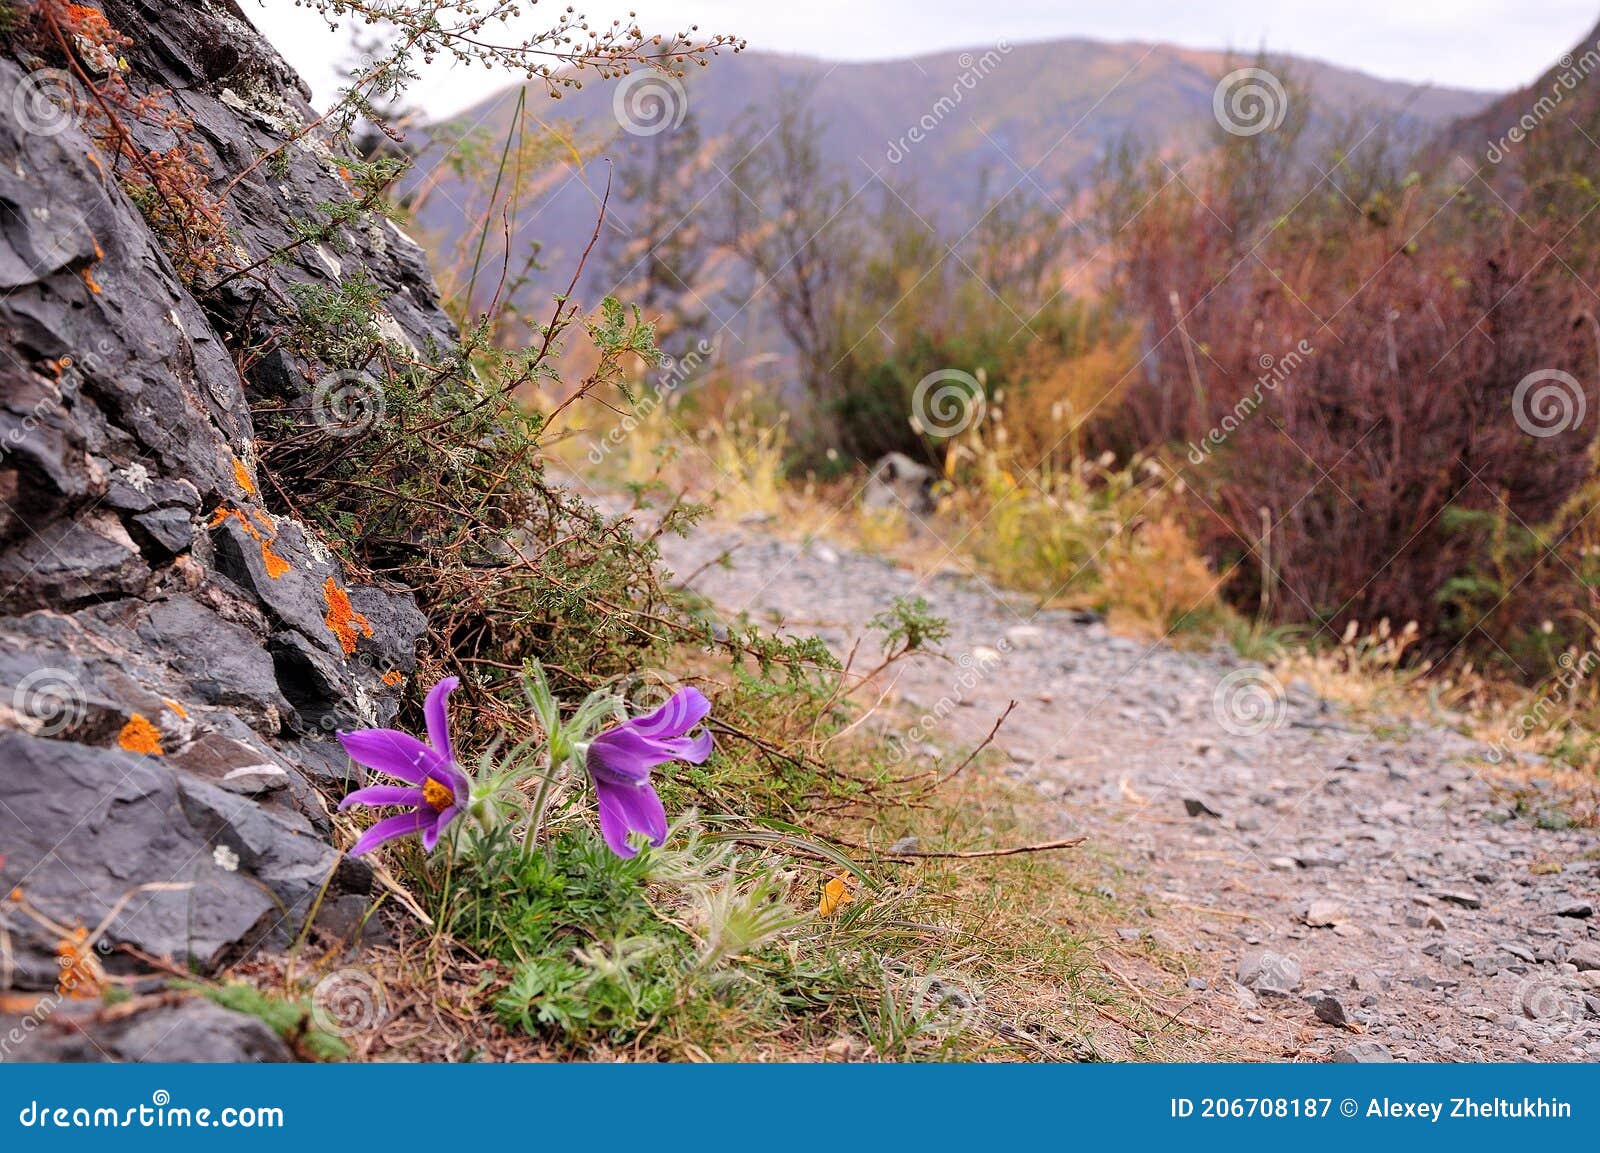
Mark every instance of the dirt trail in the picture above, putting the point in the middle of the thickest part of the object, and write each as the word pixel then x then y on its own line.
pixel 1306 868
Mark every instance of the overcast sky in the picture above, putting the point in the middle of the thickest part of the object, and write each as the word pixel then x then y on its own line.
pixel 1489 44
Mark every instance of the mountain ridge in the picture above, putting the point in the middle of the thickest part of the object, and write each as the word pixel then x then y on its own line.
pixel 944 130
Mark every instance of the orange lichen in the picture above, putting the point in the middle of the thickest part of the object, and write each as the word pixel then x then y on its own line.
pixel 394 678
pixel 88 278
pixel 176 707
pixel 81 974
pixel 91 22
pixel 342 620
pixel 140 736
pixel 242 476
pixel 224 512
pixel 276 565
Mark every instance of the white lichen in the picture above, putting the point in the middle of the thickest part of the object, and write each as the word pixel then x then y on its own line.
pixel 136 476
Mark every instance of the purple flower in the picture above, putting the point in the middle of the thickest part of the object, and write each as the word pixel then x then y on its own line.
pixel 620 759
pixel 436 789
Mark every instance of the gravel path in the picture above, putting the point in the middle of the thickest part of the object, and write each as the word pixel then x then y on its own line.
pixel 1331 891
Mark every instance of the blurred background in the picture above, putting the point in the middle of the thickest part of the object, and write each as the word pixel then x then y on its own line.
pixel 1276 323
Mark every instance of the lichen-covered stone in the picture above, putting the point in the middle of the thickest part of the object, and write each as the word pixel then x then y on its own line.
pixel 169 679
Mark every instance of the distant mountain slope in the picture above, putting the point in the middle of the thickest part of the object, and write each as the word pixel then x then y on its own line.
pixel 1033 114
pixel 1557 112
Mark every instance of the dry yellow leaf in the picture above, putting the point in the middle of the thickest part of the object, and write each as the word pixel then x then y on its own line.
pixel 835 894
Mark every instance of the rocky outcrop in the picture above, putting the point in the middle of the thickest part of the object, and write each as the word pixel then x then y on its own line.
pixel 173 658
pixel 900 484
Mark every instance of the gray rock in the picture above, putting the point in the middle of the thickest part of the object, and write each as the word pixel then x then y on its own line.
pixel 1331 1011
pixel 1459 897
pixel 199 1030
pixel 163 533
pixel 1324 914
pixel 1363 1052
pixel 1584 955
pixel 1579 910
pixel 101 822
pixel 220 661
pixel 1268 972
pixel 125 426
pixel 899 482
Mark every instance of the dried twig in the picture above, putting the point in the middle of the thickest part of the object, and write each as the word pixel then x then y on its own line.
pixel 985 743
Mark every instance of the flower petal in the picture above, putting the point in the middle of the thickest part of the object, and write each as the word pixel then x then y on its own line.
pixel 391 751
pixel 624 757
pixel 383 795
pixel 437 711
pixel 644 812
pixel 692 749
pixel 682 711
pixel 430 833
pixel 628 809
pixel 388 829
pixel 613 820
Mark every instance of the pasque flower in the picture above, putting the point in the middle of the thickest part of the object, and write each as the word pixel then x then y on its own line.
pixel 435 790
pixel 619 761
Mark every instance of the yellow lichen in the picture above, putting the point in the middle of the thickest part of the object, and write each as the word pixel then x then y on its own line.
pixel 342 620
pixel 140 736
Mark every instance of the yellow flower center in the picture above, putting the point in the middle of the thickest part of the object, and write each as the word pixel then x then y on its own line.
pixel 437 794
